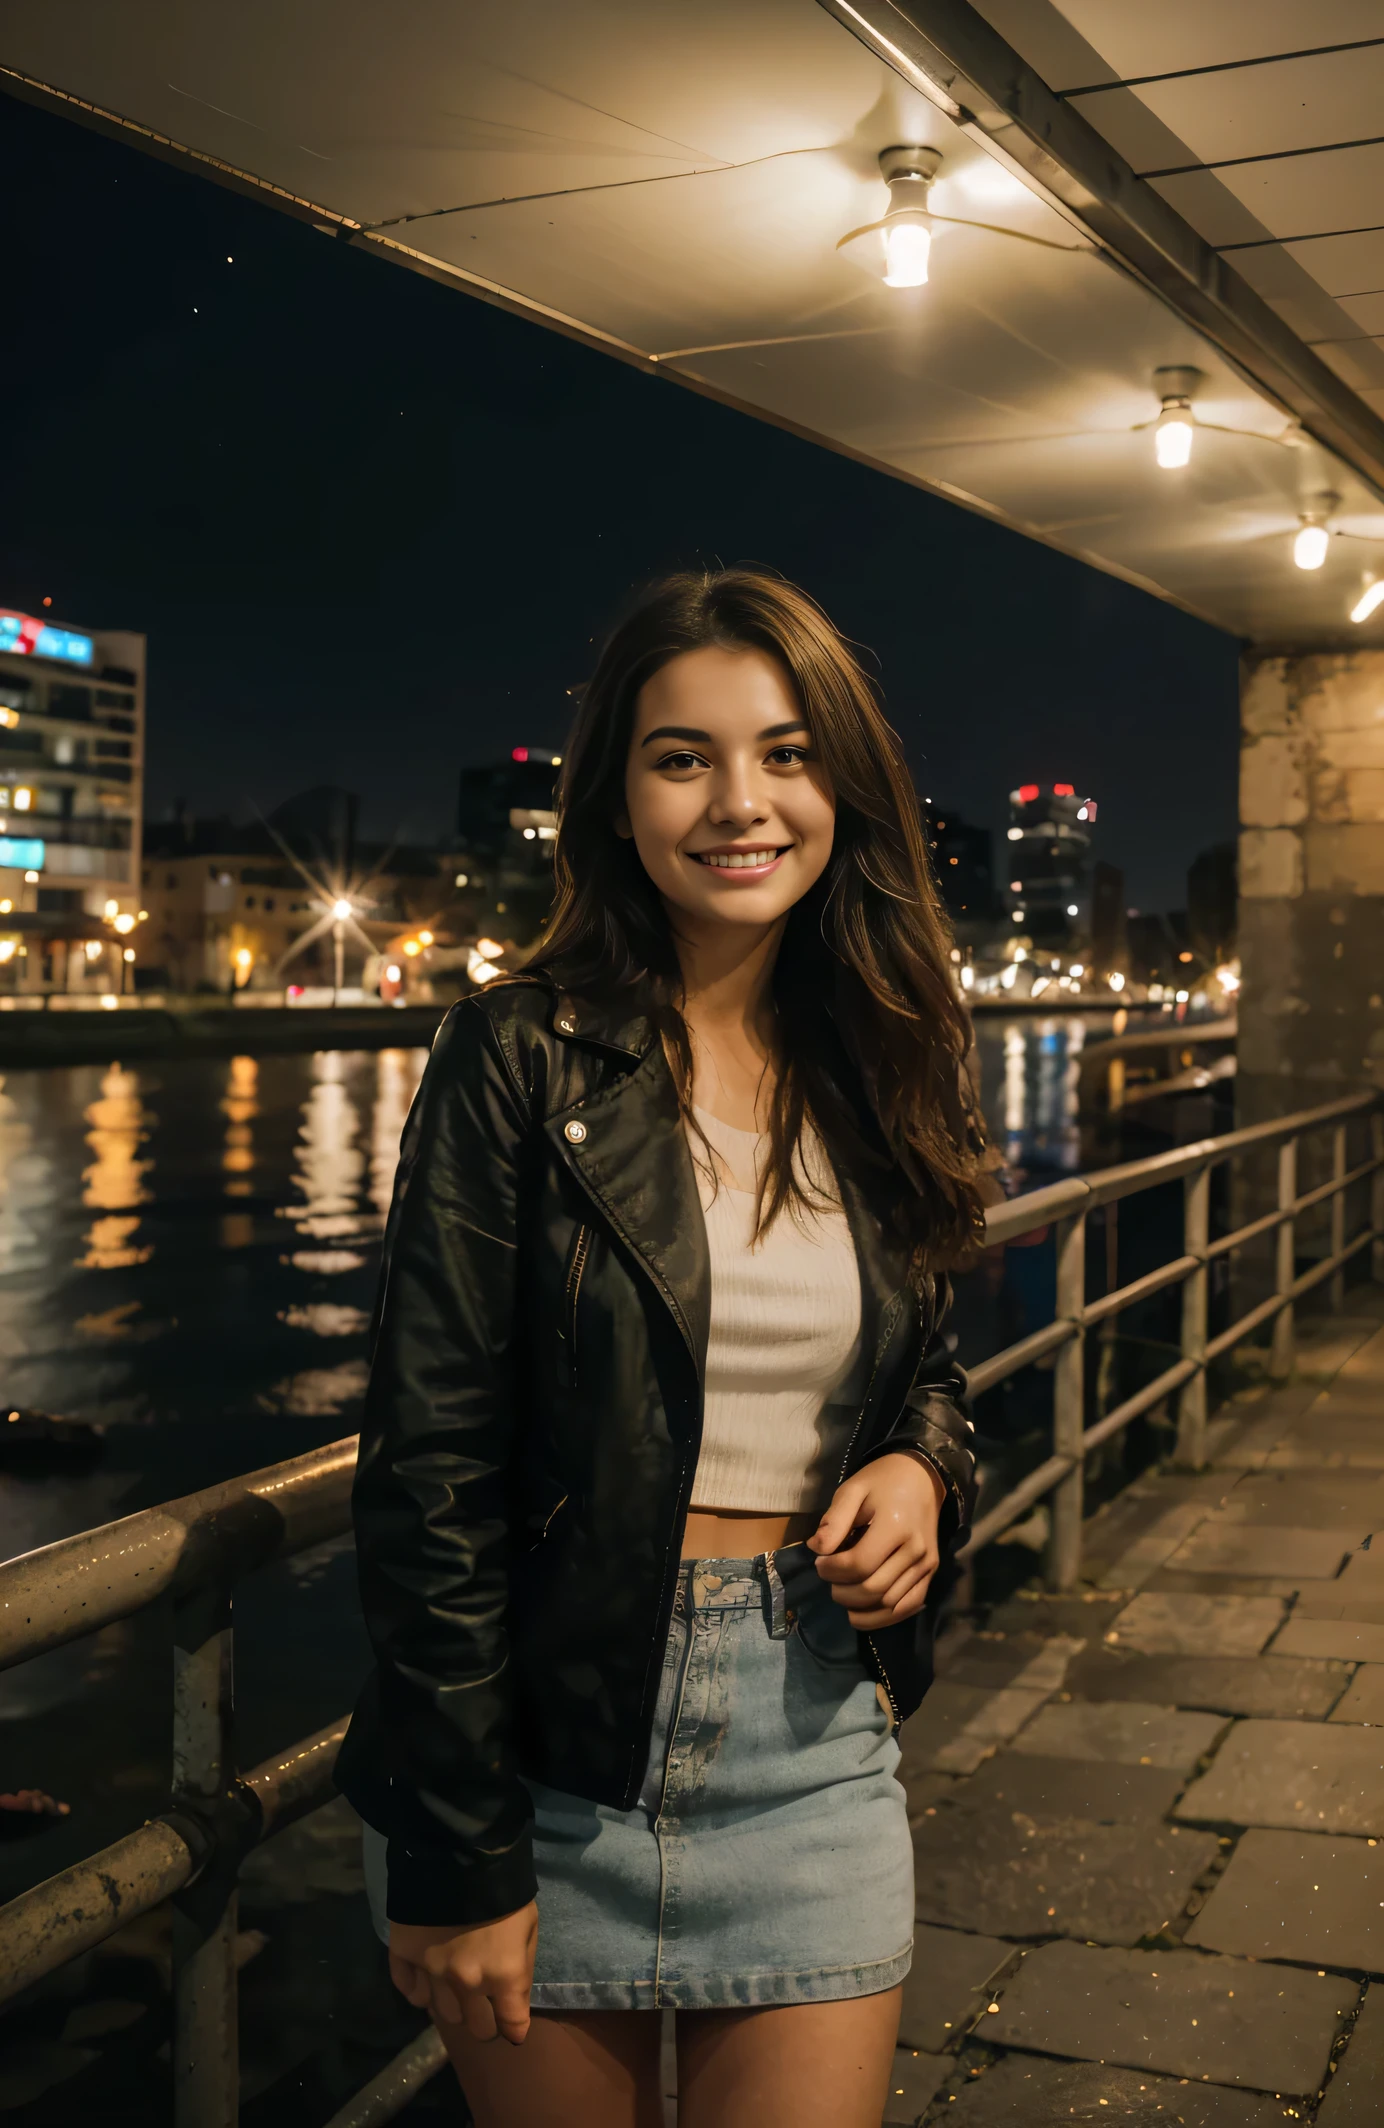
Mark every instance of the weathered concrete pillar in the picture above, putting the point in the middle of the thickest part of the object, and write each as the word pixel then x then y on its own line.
pixel 1311 879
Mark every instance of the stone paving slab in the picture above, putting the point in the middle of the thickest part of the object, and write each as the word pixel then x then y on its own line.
pixel 1176 1581
pixel 1299 1896
pixel 1197 1625
pixel 916 2076
pixel 1046 1847
pixel 1291 1688
pixel 1131 1567
pixel 1304 1776
pixel 1341 1639
pixel 1357 1605
pixel 959 1726
pixel 1275 1499
pixel 1033 2091
pixel 1222 1547
pixel 1128 1731
pixel 1063 1617
pixel 945 1987
pixel 1364 1702
pixel 1355 2094
pixel 1269 2028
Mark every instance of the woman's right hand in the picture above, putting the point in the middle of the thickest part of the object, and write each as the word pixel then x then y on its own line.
pixel 478 1977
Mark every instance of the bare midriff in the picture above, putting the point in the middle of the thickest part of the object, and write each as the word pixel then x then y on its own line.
pixel 726 1533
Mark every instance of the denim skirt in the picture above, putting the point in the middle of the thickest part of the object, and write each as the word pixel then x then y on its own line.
pixel 768 1858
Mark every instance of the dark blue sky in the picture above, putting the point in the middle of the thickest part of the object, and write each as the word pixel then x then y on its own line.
pixel 371 527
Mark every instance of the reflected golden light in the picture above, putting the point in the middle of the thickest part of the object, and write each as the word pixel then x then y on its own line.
pixel 240 1108
pixel 330 1165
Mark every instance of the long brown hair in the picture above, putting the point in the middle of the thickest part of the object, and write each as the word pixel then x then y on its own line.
pixel 864 960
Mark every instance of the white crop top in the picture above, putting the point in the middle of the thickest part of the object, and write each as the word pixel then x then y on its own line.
pixel 783 1362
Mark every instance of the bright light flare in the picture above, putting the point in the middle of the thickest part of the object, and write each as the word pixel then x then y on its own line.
pixel 1371 597
pixel 1172 437
pixel 1310 546
pixel 907 246
pixel 341 909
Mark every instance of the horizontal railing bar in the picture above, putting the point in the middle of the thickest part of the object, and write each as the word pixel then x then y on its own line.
pixel 63 1590
pixel 1023 1354
pixel 386 2096
pixel 1036 1208
pixel 1267 1309
pixel 1097 1311
pixel 72 1912
pixel 1135 1406
pixel 1334 1187
pixel 1224 1243
pixel 1028 1491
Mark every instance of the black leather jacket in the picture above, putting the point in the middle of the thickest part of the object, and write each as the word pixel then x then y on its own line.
pixel 531 1431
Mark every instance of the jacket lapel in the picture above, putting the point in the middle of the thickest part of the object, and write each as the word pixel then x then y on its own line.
pixel 633 1158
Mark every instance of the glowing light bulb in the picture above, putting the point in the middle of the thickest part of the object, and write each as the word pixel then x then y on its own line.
pixel 1172 435
pixel 341 910
pixel 1309 548
pixel 1371 597
pixel 907 244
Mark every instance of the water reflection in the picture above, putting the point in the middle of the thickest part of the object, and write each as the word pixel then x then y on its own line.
pixel 240 1109
pixel 397 1072
pixel 115 1179
pixel 1030 1072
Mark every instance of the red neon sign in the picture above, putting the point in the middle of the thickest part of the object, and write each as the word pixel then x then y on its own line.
pixel 1063 790
pixel 1027 793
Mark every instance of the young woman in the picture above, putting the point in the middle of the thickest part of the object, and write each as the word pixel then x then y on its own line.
pixel 662 1449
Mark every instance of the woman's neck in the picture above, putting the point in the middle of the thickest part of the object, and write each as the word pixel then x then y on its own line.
pixel 728 1007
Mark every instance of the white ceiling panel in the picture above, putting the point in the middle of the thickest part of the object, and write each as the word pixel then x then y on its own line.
pixel 1133 37
pixel 672 183
pixel 1265 110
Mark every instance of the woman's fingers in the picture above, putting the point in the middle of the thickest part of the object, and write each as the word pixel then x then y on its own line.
pixel 411 1981
pixel 511 2009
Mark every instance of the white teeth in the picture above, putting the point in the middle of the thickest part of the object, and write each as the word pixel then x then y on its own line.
pixel 739 858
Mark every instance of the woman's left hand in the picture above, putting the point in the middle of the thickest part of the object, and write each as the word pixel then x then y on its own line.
pixel 892 1506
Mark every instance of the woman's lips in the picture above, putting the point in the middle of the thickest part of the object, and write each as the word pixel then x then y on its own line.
pixel 740 867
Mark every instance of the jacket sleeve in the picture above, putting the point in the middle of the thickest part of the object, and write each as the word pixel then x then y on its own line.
pixel 431 1491
pixel 935 1426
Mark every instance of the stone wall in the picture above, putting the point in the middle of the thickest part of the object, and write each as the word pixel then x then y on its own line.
pixel 1311 879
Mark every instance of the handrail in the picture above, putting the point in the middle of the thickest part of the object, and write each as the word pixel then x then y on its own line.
pixel 194 1549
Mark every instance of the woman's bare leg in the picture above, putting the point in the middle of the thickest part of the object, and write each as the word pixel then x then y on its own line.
pixel 808 2065
pixel 589 2069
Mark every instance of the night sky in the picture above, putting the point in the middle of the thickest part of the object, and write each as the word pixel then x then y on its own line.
pixel 371 527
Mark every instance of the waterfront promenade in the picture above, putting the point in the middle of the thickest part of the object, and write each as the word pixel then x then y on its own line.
pixel 1149 1815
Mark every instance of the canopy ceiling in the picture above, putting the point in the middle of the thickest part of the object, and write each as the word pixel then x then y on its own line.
pixel 671 182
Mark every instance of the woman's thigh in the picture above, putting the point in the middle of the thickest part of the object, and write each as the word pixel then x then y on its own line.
pixel 807 2065
pixel 580 2069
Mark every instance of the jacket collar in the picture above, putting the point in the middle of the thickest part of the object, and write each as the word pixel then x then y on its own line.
pixel 621 1021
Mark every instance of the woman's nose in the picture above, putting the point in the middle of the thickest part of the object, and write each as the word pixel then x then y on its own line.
pixel 737 800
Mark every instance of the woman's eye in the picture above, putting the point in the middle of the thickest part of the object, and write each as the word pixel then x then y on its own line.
pixel 681 761
pixel 789 756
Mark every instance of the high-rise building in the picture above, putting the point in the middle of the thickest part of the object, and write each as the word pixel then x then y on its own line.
pixel 1047 882
pixel 71 787
pixel 963 860
pixel 506 830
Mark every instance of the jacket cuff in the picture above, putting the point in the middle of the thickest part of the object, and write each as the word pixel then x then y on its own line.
pixel 433 1887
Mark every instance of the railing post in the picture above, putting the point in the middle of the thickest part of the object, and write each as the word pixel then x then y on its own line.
pixel 1285 1258
pixel 1338 1215
pixel 206 2068
pixel 1068 1407
pixel 1191 1408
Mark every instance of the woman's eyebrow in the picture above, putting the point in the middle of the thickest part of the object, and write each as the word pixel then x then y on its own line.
pixel 703 738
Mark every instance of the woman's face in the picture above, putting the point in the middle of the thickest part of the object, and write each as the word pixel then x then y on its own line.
pixel 730 812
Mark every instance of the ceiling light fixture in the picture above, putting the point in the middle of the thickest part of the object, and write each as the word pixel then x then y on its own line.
pixel 1370 599
pixel 1175 428
pixel 1314 535
pixel 898 247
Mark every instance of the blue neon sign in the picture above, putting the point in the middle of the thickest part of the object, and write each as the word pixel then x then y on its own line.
pixel 24 635
pixel 26 854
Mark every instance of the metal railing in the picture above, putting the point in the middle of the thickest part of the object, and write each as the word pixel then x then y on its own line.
pixel 193 1551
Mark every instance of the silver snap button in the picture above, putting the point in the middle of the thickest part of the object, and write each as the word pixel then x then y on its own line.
pixel 567 1025
pixel 574 1133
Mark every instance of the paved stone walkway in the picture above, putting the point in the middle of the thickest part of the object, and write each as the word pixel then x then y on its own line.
pixel 1149 1817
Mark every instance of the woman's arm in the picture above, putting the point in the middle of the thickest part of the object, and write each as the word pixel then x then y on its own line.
pixel 431 1494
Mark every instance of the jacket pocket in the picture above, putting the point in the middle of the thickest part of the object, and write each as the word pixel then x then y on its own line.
pixel 571 1297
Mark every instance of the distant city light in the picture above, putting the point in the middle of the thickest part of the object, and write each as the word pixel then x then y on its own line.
pixel 519 753
pixel 30 878
pixel 112 908
pixel 1116 982
pixel 22 798
pixel 1081 812
pixel 1027 793
pixel 463 879
pixel 425 938
pixel 1064 790
pixel 243 956
pixel 393 973
pixel 124 923
pixel 1016 886
pixel 1182 997
pixel 490 947
pixel 94 949
pixel 530 834
pixel 412 947
pixel 1071 908
pixel 25 856
pixel 341 909
pixel 129 953
pixel 1016 834
pixel 1076 969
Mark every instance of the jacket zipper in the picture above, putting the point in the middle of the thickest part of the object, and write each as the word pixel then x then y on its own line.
pixel 579 1253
